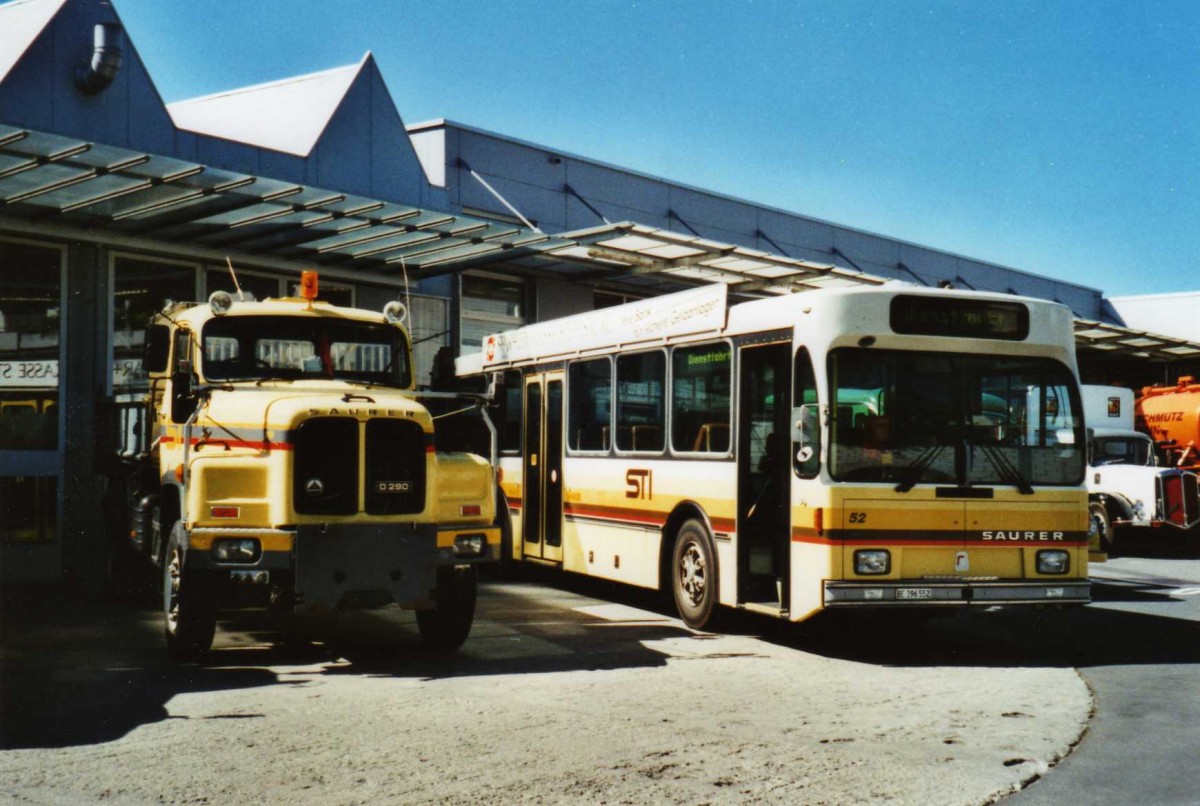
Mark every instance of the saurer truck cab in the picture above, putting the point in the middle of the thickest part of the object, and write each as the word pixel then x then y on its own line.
pixel 281 460
pixel 1128 492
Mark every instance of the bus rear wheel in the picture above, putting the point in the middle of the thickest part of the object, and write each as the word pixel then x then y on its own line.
pixel 694 575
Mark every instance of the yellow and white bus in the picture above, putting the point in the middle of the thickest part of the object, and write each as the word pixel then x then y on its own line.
pixel 868 447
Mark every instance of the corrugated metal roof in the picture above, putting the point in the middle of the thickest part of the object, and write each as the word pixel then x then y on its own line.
pixel 20 23
pixel 60 180
pixel 288 115
pixel 638 250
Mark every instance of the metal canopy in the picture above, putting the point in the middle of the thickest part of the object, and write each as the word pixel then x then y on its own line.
pixel 630 251
pixel 48 178
pixel 1097 338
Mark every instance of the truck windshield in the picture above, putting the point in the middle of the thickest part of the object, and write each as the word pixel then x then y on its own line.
pixel 909 417
pixel 1123 450
pixel 255 348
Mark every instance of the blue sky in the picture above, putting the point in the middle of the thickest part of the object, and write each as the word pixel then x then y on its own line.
pixel 1061 138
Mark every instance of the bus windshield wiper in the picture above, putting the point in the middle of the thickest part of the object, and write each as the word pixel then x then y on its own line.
pixel 917 467
pixel 1008 472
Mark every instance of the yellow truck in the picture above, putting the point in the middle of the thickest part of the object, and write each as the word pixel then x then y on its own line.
pixel 281 459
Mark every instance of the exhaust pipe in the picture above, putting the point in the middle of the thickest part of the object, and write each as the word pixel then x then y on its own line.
pixel 107 40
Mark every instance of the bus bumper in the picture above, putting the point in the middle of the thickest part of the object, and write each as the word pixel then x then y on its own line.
pixel 948 594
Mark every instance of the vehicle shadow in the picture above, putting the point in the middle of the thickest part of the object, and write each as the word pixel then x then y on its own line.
pixel 78 672
pixel 1084 637
pixel 1077 637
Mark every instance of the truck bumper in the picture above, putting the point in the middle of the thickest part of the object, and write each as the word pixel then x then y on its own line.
pixel 918 593
pixel 323 568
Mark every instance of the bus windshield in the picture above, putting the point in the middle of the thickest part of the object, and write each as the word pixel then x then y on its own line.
pixel 919 417
pixel 258 348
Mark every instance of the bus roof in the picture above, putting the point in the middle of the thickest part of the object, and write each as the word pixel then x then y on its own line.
pixel 697 311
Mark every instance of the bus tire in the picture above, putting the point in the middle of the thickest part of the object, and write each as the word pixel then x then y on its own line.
pixel 447 626
pixel 189 603
pixel 1100 521
pixel 694 575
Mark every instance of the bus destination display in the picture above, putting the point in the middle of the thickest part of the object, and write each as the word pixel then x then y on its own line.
pixel 970 318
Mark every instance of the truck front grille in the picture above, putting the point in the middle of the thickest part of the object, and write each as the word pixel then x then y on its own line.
pixel 326 466
pixel 395 467
pixel 1180 498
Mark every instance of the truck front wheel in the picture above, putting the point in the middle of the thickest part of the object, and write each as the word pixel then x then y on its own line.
pixel 446 627
pixel 189 606
pixel 1101 524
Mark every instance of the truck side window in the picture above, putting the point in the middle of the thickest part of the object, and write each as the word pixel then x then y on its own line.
pixel 157 350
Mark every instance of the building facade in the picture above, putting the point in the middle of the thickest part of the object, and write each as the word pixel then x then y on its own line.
pixel 113 202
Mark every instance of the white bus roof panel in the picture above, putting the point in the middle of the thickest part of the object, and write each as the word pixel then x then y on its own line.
pixel 695 311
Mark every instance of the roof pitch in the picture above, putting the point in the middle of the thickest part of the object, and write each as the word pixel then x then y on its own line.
pixel 288 115
pixel 22 21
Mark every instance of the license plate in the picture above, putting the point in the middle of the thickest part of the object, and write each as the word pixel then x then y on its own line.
pixel 914 593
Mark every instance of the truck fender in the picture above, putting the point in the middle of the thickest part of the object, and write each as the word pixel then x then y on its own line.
pixel 1119 507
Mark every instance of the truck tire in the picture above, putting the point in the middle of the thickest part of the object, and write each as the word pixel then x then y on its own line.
pixel 189 603
pixel 694 575
pixel 1098 513
pixel 446 627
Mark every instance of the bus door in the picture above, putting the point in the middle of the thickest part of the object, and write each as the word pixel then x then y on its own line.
pixel 764 474
pixel 541 524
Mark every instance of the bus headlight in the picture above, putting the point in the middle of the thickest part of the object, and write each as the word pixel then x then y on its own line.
pixel 1053 562
pixel 872 562
pixel 469 545
pixel 236 549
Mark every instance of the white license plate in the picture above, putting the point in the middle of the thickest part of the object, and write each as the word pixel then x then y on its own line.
pixel 914 593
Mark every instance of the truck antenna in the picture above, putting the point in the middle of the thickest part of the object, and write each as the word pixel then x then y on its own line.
pixel 237 286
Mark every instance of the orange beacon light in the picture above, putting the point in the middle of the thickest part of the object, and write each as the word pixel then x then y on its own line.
pixel 308 285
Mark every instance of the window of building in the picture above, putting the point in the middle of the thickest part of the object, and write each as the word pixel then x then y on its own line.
pixel 589 410
pixel 141 288
pixel 608 299
pixel 261 286
pixel 28 509
pixel 641 384
pixel 333 293
pixel 700 398
pixel 30 325
pixel 429 326
pixel 489 304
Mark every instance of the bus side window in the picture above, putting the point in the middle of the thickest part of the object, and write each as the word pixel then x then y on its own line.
pixel 589 392
pixel 701 395
pixel 640 392
pixel 806 454
pixel 510 412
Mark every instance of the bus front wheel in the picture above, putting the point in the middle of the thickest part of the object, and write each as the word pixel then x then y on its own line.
pixel 694 575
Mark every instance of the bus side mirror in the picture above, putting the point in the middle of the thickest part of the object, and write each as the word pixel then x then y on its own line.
pixel 183 399
pixel 806 435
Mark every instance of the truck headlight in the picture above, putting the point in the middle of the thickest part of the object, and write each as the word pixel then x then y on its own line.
pixel 1139 510
pixel 469 545
pixel 236 549
pixel 872 562
pixel 1053 561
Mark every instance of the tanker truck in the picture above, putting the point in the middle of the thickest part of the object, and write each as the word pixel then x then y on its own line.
pixel 1171 416
pixel 1129 493
pixel 280 459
